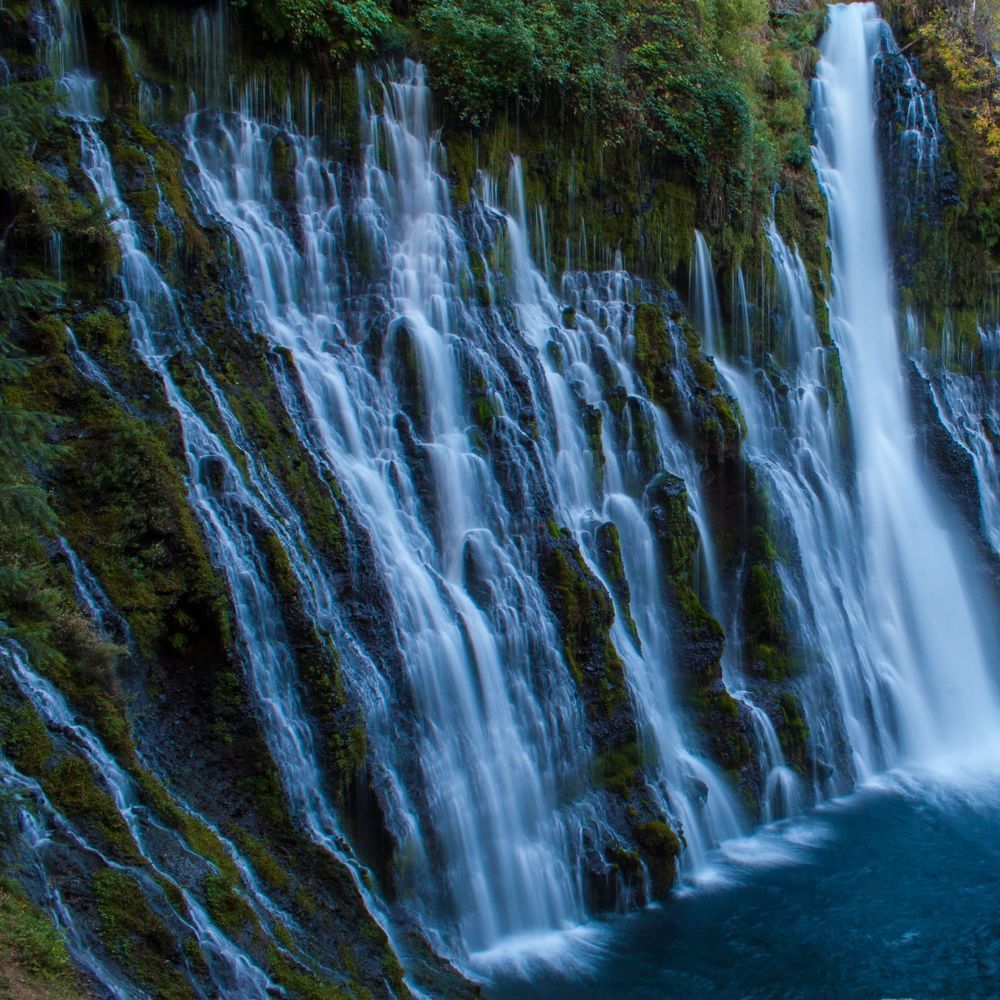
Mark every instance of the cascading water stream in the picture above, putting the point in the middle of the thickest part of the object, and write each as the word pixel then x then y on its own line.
pixel 36 849
pixel 707 313
pixel 782 792
pixel 933 671
pixel 491 754
pixel 896 681
pixel 228 511
pixel 691 787
pixel 111 626
pixel 795 441
pixel 231 968
pixel 969 410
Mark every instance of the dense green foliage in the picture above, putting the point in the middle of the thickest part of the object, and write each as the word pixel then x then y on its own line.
pixel 24 508
pixel 716 84
pixel 342 28
pixel 485 53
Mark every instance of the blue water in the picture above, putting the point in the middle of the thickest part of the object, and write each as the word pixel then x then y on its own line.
pixel 894 892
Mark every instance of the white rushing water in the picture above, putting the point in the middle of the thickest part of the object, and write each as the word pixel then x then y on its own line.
pixel 40 845
pixel 461 402
pixel 230 505
pixel 882 600
pixel 491 755
pixel 928 644
pixel 879 592
pixel 602 339
pixel 112 626
pixel 231 969
pixel 969 409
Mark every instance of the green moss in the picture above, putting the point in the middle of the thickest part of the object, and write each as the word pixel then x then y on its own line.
pixel 948 258
pixel 32 945
pixel 655 356
pixel 100 331
pixel 126 508
pixel 768 643
pixel 477 268
pixel 226 907
pixel 609 554
pixel 302 982
pixel 659 847
pixel 593 422
pixel 263 862
pixel 305 901
pixel 391 967
pixel 201 839
pixel 793 732
pixel 280 567
pixel 762 602
pixel 24 739
pixel 283 165
pixel 485 409
pixel 263 787
pixel 74 788
pixel 585 614
pixel 136 936
pixel 619 770
pixel 627 863
pixel 403 358
pixel 700 635
pixel 258 408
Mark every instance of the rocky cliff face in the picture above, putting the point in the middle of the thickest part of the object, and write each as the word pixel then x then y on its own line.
pixel 941 96
pixel 368 581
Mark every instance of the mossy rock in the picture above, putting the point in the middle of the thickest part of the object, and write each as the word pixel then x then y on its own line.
pixel 75 790
pixel 585 614
pixel 137 937
pixel 655 357
pixel 619 770
pixel 793 732
pixel 659 847
pixel 609 554
pixel 34 949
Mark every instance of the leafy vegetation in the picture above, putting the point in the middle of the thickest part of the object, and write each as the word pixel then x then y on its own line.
pixel 340 28
pixel 716 85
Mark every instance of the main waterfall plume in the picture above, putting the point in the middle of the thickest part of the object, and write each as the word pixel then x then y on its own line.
pixel 931 694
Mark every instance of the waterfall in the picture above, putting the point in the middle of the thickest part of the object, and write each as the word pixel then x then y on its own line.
pixel 602 336
pixel 229 508
pixel 491 755
pixel 231 969
pixel 894 680
pixel 795 443
pixel 67 58
pixel 464 407
pixel 112 626
pixel 706 311
pixel 928 644
pixel 900 681
pixel 38 847
pixel 782 793
pixel 43 846
pixel 969 410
